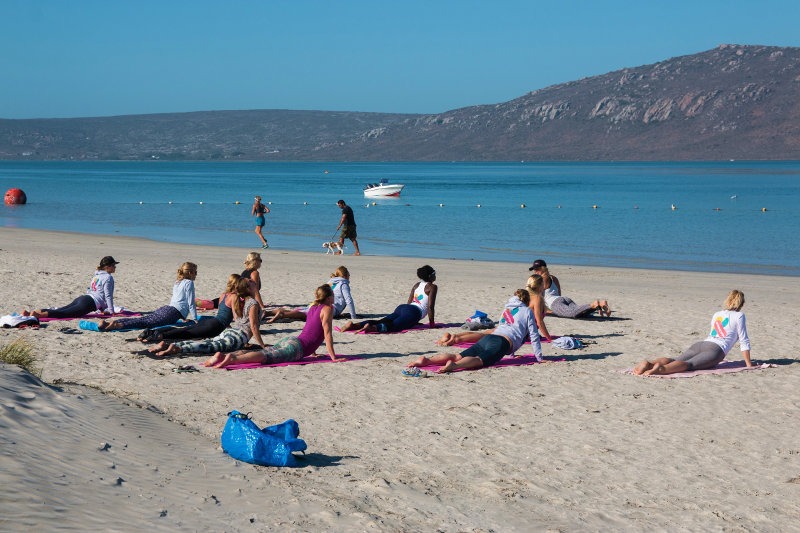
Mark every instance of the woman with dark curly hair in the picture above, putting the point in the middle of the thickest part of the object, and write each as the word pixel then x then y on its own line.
pixel 421 302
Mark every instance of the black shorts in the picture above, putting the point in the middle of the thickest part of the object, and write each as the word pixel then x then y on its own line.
pixel 490 349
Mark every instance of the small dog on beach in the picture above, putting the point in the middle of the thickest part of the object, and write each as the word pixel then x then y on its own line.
pixel 332 247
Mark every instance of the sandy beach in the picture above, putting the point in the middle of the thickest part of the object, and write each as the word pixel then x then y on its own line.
pixel 562 446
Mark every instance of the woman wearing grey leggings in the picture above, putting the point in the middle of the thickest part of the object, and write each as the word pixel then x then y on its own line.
pixel 727 327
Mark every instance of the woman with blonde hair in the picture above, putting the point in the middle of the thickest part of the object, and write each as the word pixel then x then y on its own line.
pixel 243 327
pixel 727 327
pixel 258 211
pixel 181 306
pixel 535 284
pixel 252 263
pixel 203 329
pixel 515 325
pixel 318 329
pixel 340 283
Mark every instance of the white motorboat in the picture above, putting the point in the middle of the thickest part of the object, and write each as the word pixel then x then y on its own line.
pixel 384 188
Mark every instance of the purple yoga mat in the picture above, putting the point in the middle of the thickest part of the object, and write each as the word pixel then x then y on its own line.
pixel 304 361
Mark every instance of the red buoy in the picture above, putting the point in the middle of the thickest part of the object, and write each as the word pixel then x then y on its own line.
pixel 15 197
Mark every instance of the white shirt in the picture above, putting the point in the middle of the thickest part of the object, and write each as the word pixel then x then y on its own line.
pixel 726 328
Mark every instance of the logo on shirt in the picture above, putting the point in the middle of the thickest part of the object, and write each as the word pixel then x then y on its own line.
pixel 419 297
pixel 508 316
pixel 94 284
pixel 719 327
pixel 333 285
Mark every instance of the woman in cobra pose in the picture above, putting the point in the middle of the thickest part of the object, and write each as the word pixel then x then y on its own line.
pixel 516 324
pixel 535 286
pixel 203 329
pixel 340 283
pixel 421 302
pixel 99 296
pixel 562 306
pixel 258 211
pixel 727 327
pixel 243 327
pixel 182 305
pixel 318 329
pixel 252 263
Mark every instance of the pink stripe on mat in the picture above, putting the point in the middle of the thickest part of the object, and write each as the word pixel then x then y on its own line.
pixel 439 325
pixel 725 367
pixel 93 315
pixel 522 360
pixel 304 361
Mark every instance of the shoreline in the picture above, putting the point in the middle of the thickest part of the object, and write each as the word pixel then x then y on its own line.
pixel 570 443
pixel 732 268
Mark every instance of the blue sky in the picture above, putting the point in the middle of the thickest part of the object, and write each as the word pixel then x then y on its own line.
pixel 97 58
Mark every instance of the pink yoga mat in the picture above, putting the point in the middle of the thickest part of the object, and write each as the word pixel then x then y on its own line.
pixel 725 367
pixel 439 325
pixel 93 315
pixel 522 360
pixel 304 361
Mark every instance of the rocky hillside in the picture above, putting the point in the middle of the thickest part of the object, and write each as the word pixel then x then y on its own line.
pixel 732 102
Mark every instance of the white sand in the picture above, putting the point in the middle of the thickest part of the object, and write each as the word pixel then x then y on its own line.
pixel 561 446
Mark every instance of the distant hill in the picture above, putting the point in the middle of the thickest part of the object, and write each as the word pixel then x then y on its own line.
pixel 732 102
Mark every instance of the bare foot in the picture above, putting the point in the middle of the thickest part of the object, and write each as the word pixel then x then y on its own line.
pixel 641 367
pixel 658 368
pixel 214 359
pixel 605 307
pixel 25 312
pixel 278 314
pixel 422 361
pixel 357 253
pixel 171 350
pixel 448 367
pixel 160 347
pixel 348 326
pixel 367 328
pixel 448 339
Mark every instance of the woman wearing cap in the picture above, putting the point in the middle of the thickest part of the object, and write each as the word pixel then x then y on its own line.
pixel 99 296
pixel 421 302
pixel 562 306
pixel 258 211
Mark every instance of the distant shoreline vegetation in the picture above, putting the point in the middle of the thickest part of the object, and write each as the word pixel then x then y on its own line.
pixel 730 103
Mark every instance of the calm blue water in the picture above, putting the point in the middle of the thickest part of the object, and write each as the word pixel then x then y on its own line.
pixel 103 197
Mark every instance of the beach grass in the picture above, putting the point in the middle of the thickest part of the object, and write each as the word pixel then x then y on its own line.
pixel 21 352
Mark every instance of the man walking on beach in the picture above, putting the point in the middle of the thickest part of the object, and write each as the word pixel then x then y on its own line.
pixel 349 223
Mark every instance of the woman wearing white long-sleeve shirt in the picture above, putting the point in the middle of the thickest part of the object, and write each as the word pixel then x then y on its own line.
pixel 516 324
pixel 727 327
pixel 99 296
pixel 340 283
pixel 182 305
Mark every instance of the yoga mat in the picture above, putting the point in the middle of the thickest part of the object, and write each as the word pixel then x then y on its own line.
pixel 522 360
pixel 304 361
pixel 439 325
pixel 92 326
pixel 468 344
pixel 725 367
pixel 93 315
